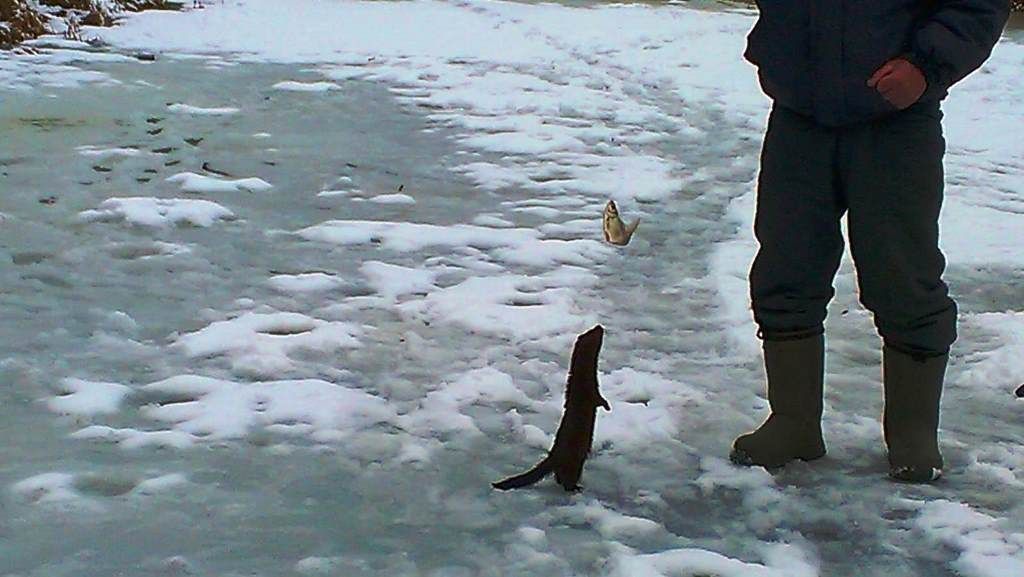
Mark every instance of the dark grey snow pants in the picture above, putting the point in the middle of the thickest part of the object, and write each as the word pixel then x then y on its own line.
pixel 887 177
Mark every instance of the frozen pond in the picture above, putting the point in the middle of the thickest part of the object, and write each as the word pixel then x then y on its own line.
pixel 279 318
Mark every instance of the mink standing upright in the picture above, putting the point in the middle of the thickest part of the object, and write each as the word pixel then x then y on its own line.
pixel 576 431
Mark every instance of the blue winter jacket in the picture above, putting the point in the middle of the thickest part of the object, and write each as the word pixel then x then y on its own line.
pixel 815 56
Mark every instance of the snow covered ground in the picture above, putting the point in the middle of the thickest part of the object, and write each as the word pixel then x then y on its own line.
pixel 286 300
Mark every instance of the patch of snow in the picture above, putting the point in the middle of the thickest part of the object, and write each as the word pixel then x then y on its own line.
pixel 96 151
pixel 393 281
pixel 192 182
pixel 200 111
pixel 158 212
pixel 442 409
pixel 611 524
pixel 88 398
pixel 305 282
pixel 259 344
pixel 218 409
pixel 330 193
pixel 516 306
pixel 160 484
pixel 294 86
pixel 395 198
pixel 512 245
pixel 492 221
pixel 133 439
pixel 646 407
pixel 781 560
pixel 47 487
pixel 986 550
pixel 1000 369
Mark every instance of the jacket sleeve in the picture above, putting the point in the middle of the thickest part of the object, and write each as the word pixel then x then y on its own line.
pixel 954 39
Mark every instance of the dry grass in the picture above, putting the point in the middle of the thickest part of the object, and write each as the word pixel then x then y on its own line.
pixel 22 20
pixel 18 22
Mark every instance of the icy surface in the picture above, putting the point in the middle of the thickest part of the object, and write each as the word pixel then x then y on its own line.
pixel 328 384
pixel 985 548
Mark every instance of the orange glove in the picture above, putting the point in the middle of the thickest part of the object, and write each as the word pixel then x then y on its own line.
pixel 899 82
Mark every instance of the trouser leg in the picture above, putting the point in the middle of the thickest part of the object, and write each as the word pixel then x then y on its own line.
pixel 799 206
pixel 893 181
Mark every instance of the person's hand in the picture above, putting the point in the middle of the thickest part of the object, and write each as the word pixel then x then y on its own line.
pixel 899 82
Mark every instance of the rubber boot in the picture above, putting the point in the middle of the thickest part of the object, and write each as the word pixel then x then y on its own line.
pixel 796 371
pixel 913 387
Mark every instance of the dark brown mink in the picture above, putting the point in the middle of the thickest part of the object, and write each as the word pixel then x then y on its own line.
pixel 576 431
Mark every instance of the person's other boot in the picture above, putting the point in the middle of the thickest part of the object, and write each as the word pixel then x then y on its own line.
pixel 913 387
pixel 796 372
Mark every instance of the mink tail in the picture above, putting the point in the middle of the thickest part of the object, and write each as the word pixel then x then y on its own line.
pixel 543 469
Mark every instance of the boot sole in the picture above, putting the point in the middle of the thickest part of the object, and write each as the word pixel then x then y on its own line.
pixel 742 458
pixel 915 474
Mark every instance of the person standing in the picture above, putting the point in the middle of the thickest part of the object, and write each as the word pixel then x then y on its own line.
pixel 855 129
